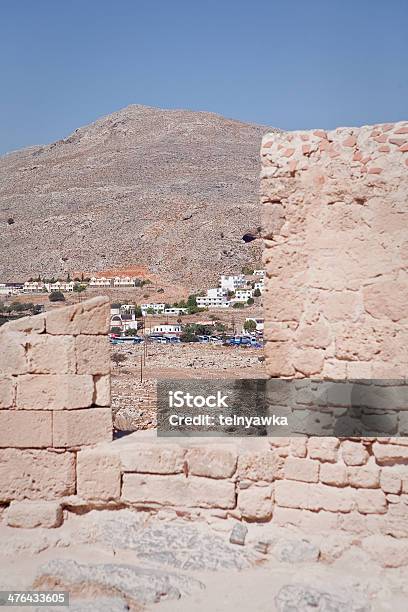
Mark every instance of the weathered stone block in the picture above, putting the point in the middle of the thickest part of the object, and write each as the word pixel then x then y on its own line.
pixel 255 503
pixel 13 357
pixel 390 481
pixel 36 474
pixel 354 453
pixel 310 521
pixel 54 391
pixel 25 428
pixel 29 324
pixel 306 470
pixel 102 396
pixel 262 465
pixel 365 477
pixel 30 514
pixel 324 449
pixel 153 459
pixel 92 354
pixel 386 550
pixel 90 317
pixel 178 491
pixel 333 474
pixel 390 454
pixel 212 461
pixel 48 354
pixel 7 391
pixel 98 474
pixel 371 501
pixel 81 427
pixel 314 497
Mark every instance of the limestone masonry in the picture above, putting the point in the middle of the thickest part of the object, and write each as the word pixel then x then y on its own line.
pixel 335 217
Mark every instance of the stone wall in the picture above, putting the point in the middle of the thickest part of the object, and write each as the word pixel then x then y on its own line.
pixel 54 398
pixel 335 213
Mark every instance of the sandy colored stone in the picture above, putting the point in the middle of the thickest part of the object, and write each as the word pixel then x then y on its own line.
pixel 316 522
pixel 25 428
pixel 153 459
pixel 390 454
pixel 36 474
pixel 371 501
pixel 102 395
pixel 386 550
pixel 324 449
pixel 262 465
pixel 81 427
pixel 30 514
pixel 308 361
pixel 178 491
pixel 89 317
pixel 255 503
pixel 98 474
pixel 54 391
pixel 48 354
pixel 333 474
pixel 13 356
pixel 365 477
pixel 353 453
pixel 212 461
pixel 390 480
pixel 7 391
pixel 92 354
pixel 305 470
pixel 292 494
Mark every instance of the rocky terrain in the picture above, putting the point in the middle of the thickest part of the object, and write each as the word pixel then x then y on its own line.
pixel 161 193
pixel 125 560
pixel 134 402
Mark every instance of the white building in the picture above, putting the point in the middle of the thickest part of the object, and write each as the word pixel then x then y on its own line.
pixel 260 285
pixel 242 295
pixel 173 329
pixel 11 288
pixel 65 287
pixel 258 322
pixel 175 311
pixel 34 287
pixel 215 298
pixel 100 282
pixel 260 273
pixel 231 283
pixel 123 316
pixel 123 281
pixel 153 308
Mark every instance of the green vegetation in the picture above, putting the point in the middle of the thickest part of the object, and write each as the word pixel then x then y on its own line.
pixel 193 330
pixel 250 326
pixel 56 296
pixel 257 293
pixel 247 270
pixel 131 332
pixel 238 305
pixel 250 301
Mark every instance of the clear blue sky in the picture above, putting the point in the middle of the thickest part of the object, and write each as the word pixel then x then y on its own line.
pixel 292 64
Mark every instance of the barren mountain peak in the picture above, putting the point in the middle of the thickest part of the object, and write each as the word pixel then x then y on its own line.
pixel 172 191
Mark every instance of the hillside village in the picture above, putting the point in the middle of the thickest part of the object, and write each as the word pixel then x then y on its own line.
pixel 170 320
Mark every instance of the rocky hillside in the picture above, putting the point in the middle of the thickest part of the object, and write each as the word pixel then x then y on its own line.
pixel 169 193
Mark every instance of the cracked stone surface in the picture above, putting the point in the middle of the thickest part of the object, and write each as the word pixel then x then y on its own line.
pixel 296 551
pixel 175 544
pixel 300 598
pixel 139 585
